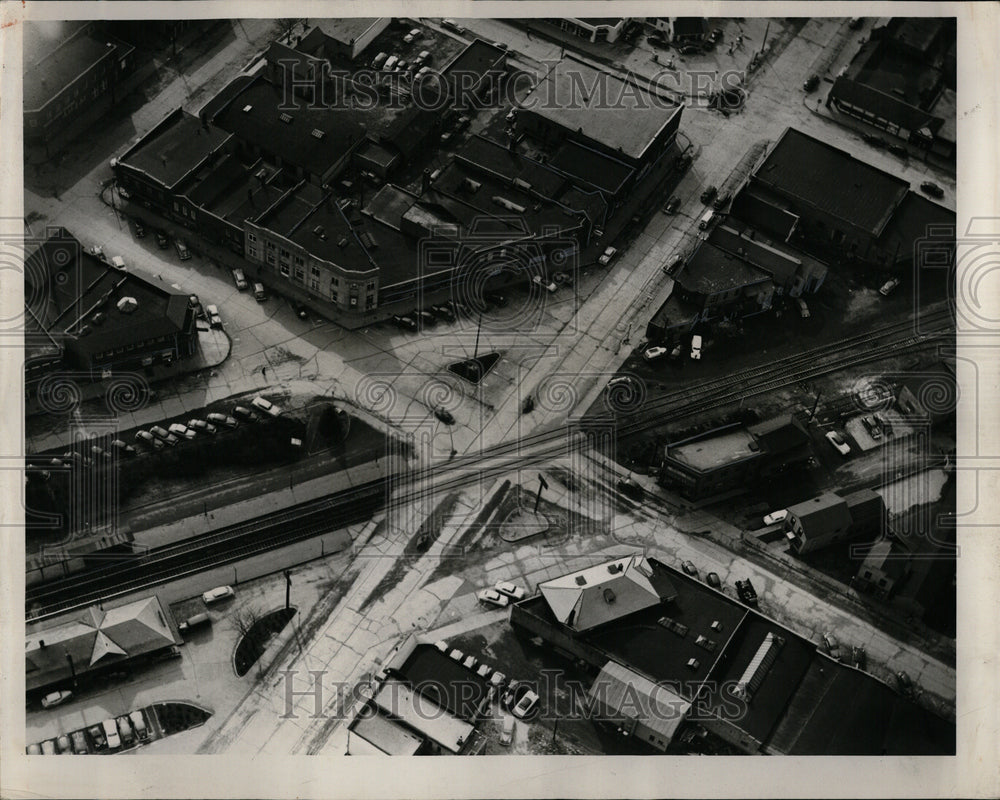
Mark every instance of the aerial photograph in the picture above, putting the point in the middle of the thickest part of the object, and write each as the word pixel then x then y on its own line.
pixel 495 386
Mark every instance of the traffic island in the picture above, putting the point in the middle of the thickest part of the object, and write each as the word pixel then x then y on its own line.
pixel 523 524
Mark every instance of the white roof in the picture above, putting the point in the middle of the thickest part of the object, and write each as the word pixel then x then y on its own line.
pixel 423 715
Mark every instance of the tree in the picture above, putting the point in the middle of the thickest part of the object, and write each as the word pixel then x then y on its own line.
pixel 247 623
pixel 287 26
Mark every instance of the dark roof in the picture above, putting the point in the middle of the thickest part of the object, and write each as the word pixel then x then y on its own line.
pixel 763 213
pixel 832 181
pixel 690 26
pixel 914 218
pixel 386 735
pixel 779 435
pixel 409 130
pixel 559 98
pixel 590 167
pixel 674 313
pixel 820 514
pixel 887 106
pixel 225 96
pixel 293 141
pixel 174 148
pixel 618 690
pixel 95 286
pixel 56 67
pixel 346 29
pixel 477 59
pixel 489 156
pixel 304 66
pixel 711 271
pixel 919 33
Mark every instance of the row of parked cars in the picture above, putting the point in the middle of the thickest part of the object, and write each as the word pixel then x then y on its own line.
pixel 111 735
pixel 158 437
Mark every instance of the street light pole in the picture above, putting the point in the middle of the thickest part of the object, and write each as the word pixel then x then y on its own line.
pixel 288 588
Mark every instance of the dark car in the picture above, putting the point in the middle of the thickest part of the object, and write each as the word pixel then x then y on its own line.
pixel 161 240
pixel 406 323
pixel 140 230
pixel 300 311
pixel 457 309
pixel 631 489
pixel 903 682
pixel 712 579
pixel 443 312
pixel 691 49
pixel 899 150
pixel 444 415
pixel 716 35
pixel 495 298
pixel 682 162
pixel 746 593
pixel 672 205
pixel 873 140
pixel 689 568
pixel 425 318
pixel 811 83
pixel 655 40
pixel 243 414
pixel 722 201
pixel 708 194
pixel 932 189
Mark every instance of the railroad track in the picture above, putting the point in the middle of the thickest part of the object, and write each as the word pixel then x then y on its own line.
pixel 322 515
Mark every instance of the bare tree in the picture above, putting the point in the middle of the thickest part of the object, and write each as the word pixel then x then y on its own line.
pixel 246 623
pixel 287 26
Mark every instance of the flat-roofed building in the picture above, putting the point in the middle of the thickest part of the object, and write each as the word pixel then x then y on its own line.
pixel 424 716
pixel 373 733
pixel 829 518
pixel 593 29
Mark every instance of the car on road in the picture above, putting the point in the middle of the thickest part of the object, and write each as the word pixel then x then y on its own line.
pixel 146 438
pixel 223 420
pixel 182 431
pixel 722 201
pixel 810 83
pixel 217 594
pixel 443 312
pixel 201 426
pixel 411 36
pixel 653 353
pixel 631 489
pixel 182 250
pixel 493 597
pixel 707 219
pixel 260 404
pixel 539 281
pixel 239 279
pixel 655 40
pixel 80 743
pixel 425 318
pixel 708 194
pixel 716 35
pixel 673 264
pixel 899 150
pixel 932 189
pixel 691 49
pixel 507 730
pixel 300 310
pixel 563 279
pixel 859 657
pixel 451 25
pixel 163 435
pixel 712 579
pixel 746 592
pixel 607 256
pixel 161 240
pixel 854 23
pixel 689 568
pixel 776 516
pixel 513 592
pixel 874 141
pixel 140 230
pixel 405 323
pixel 838 443
pixel 444 415
pixel 803 308
pixel 213 316
pixel 889 286
pixel 243 414
pixel 831 645
pixel 524 701
pixel 55 698
pixel 696 347
pixel 671 206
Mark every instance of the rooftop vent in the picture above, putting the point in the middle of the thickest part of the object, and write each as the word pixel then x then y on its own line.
pixel 317 133
pixel 247 108
pixel 581 581
pixel 369 241
pixel 286 118
pixel 84 330
pixel 503 202
pixel 521 184
pixel 127 305
pixel 470 185
pixel 615 568
pixel 609 596
pixel 342 241
pixel 318 231
pixel 98 318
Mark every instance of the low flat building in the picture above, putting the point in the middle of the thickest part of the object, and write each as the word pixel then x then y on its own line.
pixel 424 716
pixel 372 733
pixel 830 518
pixel 593 29
pixel 884 567
pixel 344 37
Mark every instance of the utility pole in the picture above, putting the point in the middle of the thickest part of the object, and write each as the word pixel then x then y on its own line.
pixel 72 669
pixel 288 589
pixel 812 414
pixel 479 328
pixel 763 44
pixel 542 484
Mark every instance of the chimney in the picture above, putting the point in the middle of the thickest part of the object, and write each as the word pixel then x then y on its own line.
pixel 163 160
pixel 425 183
pixel 250 196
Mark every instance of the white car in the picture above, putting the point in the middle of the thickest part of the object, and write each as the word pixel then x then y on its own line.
pixel 888 286
pixel 456 655
pixel 441 645
pixel 55 698
pixel 182 430
pixel 266 406
pixel 838 442
pixel 525 705
pixel 213 316
pixel 484 671
pixel 493 597
pixel 411 36
pixel 653 353
pixel 696 347
pixel 507 588
pixel 607 256
pixel 217 594
pixel 507 732
pixel 497 679
pixel 539 281
pixel 775 517
pixel 470 662
pixel 803 308
pixel 201 425
pixel 111 734
pixel 223 419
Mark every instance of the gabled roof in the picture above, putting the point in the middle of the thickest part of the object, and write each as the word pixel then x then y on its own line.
pixel 596 595
pixel 621 691
pixel 818 514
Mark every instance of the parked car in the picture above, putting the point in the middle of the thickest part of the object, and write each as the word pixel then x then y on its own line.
pixel 451 25
pixel 631 489
pixel 111 734
pixel 811 83
pixel 194 621
pixel 96 733
pixel 55 698
pixel 217 594
pixel 470 662
pixel 889 286
pixel 708 194
pixel 125 730
pixel 672 205
pixel 411 36
pixel 498 679
pixel 696 347
pixel 838 443
pixel 854 23
pixel 260 404
pixel 526 703
pixel 689 568
pixel 148 439
pixel 223 420
pixel 539 281
pixel 406 323
pixel 49 747
pixel 776 516
pixel 653 353
pixel 182 250
pixel 682 162
pixel 673 264
pixel 493 597
pixel 213 316
pixel 507 730
pixel 300 310
pixel 259 293
pixel 712 579
pixel 201 426
pixel 515 593
pixel 746 592
pixel 831 645
pixel 722 201
pixel 80 743
pixel 872 427
pixel 424 318
pixel 873 140
pixel 423 57
pixel 716 35
pixel 496 299
pixel 903 682
pixel 899 150
pixel 243 414
pixel 443 312
pixel 707 219
pixel 239 279
pixel 140 230
pixel 444 415
pixel 161 240
pixel 932 189
pixel 139 724
pixel 803 308
pixel 607 256
pixel 182 431
pixel 163 435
